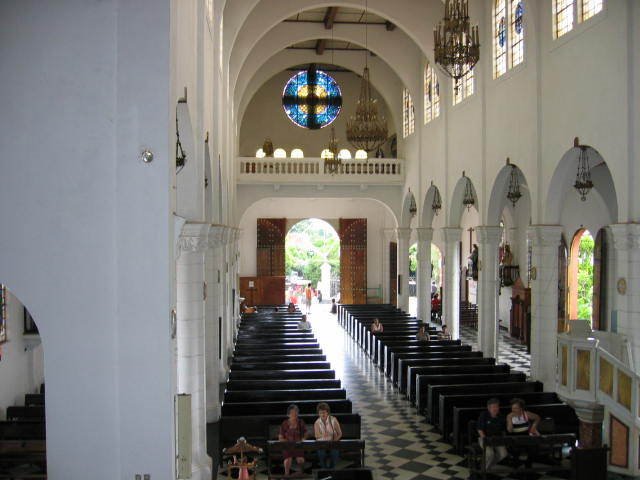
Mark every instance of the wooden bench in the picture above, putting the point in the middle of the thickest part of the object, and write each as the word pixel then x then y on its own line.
pixel 283 395
pixel 282 384
pixel 281 374
pixel 353 449
pixel 31 413
pixel 434 361
pixel 280 366
pixel 417 353
pixel 275 407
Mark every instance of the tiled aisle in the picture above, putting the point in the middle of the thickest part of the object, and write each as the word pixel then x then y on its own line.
pixel 399 444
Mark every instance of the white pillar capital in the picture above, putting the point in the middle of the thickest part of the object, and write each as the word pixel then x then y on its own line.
pixel 193 238
pixel 489 234
pixel 216 235
pixel 544 235
pixel 452 234
pixel 389 234
pixel 425 234
pixel 626 236
pixel 403 233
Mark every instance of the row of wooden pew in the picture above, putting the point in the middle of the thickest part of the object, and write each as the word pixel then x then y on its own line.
pixel 22 440
pixel 444 379
pixel 274 365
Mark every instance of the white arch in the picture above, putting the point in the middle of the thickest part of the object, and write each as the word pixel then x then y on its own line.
pixel 455 205
pixel 427 214
pixel 498 198
pixel 405 217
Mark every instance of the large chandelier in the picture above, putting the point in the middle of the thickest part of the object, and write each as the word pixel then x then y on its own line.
pixel 456 44
pixel 365 131
pixel 332 161
pixel 513 191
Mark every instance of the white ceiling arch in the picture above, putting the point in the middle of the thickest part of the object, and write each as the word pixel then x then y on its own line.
pixel 401 55
pixel 384 80
pixel 415 18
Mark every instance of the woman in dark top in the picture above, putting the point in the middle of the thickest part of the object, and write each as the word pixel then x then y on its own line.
pixel 292 429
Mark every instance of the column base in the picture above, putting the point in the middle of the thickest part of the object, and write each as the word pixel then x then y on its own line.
pixel 202 470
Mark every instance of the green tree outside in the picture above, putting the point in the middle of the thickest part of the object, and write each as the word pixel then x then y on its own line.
pixel 585 276
pixel 436 262
pixel 307 245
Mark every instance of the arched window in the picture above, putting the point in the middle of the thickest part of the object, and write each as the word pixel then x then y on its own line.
pixel 581 276
pixel 431 94
pixel 408 114
pixel 499 38
pixel 344 154
pixel 280 153
pixel 297 153
pixel 516 32
pixel 260 153
pixel 463 88
pixel 361 155
pixel 508 35
pixel 326 154
pixel 588 8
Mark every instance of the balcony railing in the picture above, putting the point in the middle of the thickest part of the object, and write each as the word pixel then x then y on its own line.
pixel 387 171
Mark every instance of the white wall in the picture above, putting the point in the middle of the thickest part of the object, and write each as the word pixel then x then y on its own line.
pixel 329 209
pixel 265 117
pixel 21 370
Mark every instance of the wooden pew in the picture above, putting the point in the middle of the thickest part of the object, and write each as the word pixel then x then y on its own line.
pixel 281 374
pixel 282 384
pixel 449 402
pixel 250 358
pixel 432 409
pixel 418 353
pixel 32 413
pixel 447 370
pixel 425 395
pixel 273 408
pixel 563 415
pixel 353 449
pixel 233 396
pixel 434 361
pixel 280 366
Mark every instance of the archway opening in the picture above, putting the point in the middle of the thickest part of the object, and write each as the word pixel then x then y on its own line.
pixel 22 396
pixel 413 279
pixel 581 276
pixel 312 256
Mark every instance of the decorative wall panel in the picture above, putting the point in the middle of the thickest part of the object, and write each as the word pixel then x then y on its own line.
pixel 353 260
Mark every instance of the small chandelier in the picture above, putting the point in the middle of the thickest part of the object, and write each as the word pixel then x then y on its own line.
pixel 513 192
pixel 436 205
pixel 181 157
pixel 332 161
pixel 456 44
pixel 413 208
pixel 583 182
pixel 468 200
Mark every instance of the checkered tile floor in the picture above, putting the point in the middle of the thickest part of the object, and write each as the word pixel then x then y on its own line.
pixel 400 445
pixel 509 350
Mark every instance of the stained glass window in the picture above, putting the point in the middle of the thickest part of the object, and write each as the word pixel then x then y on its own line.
pixel 499 38
pixel 408 114
pixel 589 8
pixel 431 94
pixel 563 16
pixel 517 32
pixel 312 99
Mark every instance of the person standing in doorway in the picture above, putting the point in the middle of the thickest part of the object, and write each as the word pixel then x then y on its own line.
pixel 308 294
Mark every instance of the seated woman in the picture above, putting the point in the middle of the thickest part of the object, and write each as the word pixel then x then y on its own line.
pixel 376 326
pixel 422 335
pixel 304 324
pixel 291 308
pixel 436 305
pixel 327 429
pixel 521 421
pixel 444 334
pixel 334 307
pixel 293 429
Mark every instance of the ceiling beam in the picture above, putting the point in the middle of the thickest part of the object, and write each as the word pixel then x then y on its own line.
pixel 321 44
pixel 330 17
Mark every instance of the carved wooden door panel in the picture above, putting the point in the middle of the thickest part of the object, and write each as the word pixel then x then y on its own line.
pixel 393 273
pixel 353 260
pixel 598 311
pixel 270 251
pixel 563 254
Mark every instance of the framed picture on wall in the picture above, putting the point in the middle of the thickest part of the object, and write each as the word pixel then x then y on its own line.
pixel 3 314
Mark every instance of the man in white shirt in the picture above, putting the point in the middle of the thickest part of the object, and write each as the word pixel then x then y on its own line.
pixel 304 324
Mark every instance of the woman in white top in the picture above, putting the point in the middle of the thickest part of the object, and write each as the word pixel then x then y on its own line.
pixel 327 429
pixel 304 324
pixel 520 421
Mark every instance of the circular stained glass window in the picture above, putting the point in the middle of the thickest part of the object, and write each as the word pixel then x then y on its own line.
pixel 312 99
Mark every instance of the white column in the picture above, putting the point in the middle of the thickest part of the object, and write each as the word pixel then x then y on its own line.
pixel 488 283
pixel 403 267
pixel 451 294
pixel 625 279
pixel 219 316
pixel 212 330
pixel 545 240
pixel 190 273
pixel 425 236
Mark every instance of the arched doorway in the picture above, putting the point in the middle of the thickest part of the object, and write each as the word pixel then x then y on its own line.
pixel 312 255
pixel 22 396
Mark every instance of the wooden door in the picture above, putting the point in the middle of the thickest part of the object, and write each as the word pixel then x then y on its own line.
pixel 353 260
pixel 563 293
pixel 393 273
pixel 270 251
pixel 598 312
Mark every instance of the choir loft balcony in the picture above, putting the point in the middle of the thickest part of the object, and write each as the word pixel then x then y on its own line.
pixel 312 171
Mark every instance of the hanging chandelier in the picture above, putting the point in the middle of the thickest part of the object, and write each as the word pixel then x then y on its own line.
pixel 513 192
pixel 583 182
pixel 468 200
pixel 181 157
pixel 332 161
pixel 365 130
pixel 456 43
pixel 413 208
pixel 436 205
